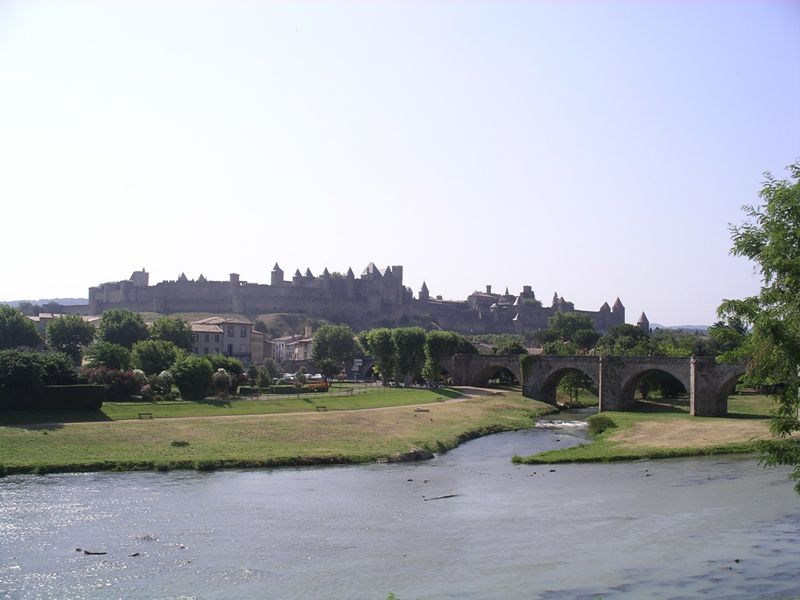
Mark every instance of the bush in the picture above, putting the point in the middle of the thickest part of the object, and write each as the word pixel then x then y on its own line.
pixel 120 385
pixel 599 423
pixel 112 356
pixel 222 382
pixel 154 356
pixel 192 375
pixel 247 390
pixel 23 370
pixel 69 397
pixel 299 389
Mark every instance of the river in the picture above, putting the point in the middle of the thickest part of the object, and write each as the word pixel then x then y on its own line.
pixel 468 524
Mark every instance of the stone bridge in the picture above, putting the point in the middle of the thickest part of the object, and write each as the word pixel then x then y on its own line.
pixel 615 377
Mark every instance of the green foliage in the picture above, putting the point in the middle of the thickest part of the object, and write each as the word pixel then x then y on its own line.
pixel 585 339
pixel 120 385
pixel 154 356
pixel 23 370
pixel 599 423
pixel 465 346
pixel 329 368
pixel 69 334
pixel 272 369
pixel 107 354
pixel 334 342
pixel 379 345
pixel 222 382
pixel 230 364
pixel 122 327
pixel 192 374
pixel 409 348
pixel 175 330
pixel 508 346
pixel 572 383
pixel 17 330
pixel 624 340
pixel 565 324
pixel 438 346
pixel 770 238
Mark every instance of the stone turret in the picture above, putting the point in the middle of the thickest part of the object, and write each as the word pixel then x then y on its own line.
pixel 618 310
pixel 643 323
pixel 424 295
pixel 202 279
pixel 298 276
pixel 605 308
pixel 276 277
pixel 182 278
pixel 309 274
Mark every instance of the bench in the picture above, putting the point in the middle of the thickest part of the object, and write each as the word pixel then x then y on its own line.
pixel 321 409
pixel 145 415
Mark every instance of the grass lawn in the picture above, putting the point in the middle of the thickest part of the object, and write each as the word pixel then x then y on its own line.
pixel 661 429
pixel 265 440
pixel 372 397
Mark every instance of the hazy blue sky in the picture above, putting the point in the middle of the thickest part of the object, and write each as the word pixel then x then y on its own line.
pixel 597 149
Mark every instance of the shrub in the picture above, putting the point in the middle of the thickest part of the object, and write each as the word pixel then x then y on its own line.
pixel 247 390
pixel 599 423
pixel 23 370
pixel 222 382
pixel 154 356
pixel 192 375
pixel 69 397
pixel 106 354
pixel 120 385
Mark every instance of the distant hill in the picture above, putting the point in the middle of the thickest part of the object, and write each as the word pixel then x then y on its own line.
pixel 62 301
pixel 703 329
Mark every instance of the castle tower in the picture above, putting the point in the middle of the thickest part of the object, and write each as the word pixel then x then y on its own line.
pixel 424 295
pixel 276 277
pixel 618 310
pixel 643 323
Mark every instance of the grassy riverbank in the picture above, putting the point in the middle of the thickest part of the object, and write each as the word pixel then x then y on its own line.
pixel 265 440
pixel 665 430
pixel 339 398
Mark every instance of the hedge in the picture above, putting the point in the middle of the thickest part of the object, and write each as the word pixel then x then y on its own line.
pixel 58 397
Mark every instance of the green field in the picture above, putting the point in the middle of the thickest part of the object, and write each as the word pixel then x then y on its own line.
pixel 389 424
pixel 339 398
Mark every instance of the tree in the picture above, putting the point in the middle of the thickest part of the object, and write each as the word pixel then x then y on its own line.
pixel 69 334
pixel 770 237
pixel 334 342
pixel 624 340
pixel 438 346
pixel 222 382
pixel 585 339
pixel 192 374
pixel 565 324
pixel 123 327
pixel 379 345
pixel 507 345
pixel 21 370
pixel 154 356
pixel 409 349
pixel 175 330
pixel 273 371
pixel 329 368
pixel 17 330
pixel 112 356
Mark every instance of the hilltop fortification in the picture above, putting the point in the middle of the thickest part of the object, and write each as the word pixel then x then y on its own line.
pixel 373 299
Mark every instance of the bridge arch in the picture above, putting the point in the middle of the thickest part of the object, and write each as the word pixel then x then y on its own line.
pixel 633 380
pixel 549 386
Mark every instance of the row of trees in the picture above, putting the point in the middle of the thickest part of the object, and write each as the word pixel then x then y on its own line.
pixel 403 353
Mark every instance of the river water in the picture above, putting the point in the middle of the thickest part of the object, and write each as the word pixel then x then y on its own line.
pixel 719 527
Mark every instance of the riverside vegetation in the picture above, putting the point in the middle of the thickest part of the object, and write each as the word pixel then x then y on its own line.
pixel 664 429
